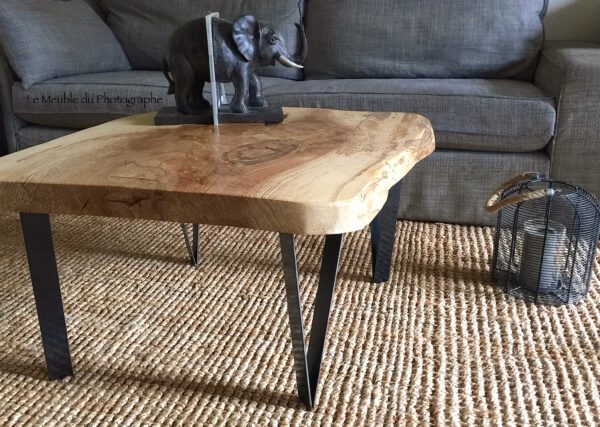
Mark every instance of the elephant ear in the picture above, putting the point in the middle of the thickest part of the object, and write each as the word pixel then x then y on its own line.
pixel 246 34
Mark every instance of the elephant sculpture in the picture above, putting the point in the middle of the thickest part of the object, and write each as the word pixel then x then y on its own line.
pixel 240 47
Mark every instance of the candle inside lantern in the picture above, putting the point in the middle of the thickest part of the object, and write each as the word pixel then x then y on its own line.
pixel 533 267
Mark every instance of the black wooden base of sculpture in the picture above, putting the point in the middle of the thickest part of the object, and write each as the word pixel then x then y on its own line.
pixel 170 116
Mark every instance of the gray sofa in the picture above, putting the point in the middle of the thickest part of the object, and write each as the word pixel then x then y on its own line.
pixel 500 101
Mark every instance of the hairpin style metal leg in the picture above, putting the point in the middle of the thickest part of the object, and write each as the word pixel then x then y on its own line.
pixel 383 232
pixel 308 364
pixel 37 233
pixel 191 244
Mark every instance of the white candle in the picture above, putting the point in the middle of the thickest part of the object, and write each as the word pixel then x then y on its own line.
pixel 531 255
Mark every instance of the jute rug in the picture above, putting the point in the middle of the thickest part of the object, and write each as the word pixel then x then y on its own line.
pixel 155 341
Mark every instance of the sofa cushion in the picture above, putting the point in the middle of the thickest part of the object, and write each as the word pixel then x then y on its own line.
pixel 85 100
pixel 479 115
pixel 96 6
pixel 50 38
pixel 466 114
pixel 32 135
pixel 144 26
pixel 433 38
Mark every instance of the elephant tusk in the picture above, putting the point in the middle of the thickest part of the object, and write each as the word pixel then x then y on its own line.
pixel 288 63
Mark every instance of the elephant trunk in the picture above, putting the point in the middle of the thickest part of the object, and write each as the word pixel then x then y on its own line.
pixel 301 56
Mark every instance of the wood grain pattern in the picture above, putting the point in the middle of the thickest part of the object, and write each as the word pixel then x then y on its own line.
pixel 318 172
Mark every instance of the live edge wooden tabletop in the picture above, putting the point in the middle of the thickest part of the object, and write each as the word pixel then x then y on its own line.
pixel 318 172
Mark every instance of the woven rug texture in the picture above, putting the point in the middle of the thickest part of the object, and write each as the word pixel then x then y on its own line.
pixel 155 341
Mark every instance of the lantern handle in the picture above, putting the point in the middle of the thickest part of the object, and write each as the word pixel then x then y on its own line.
pixel 495 203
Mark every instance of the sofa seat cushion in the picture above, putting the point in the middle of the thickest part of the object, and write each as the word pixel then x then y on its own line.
pixel 466 114
pixel 475 115
pixel 85 100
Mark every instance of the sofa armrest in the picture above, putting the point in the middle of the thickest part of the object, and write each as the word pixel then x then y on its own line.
pixel 10 124
pixel 570 71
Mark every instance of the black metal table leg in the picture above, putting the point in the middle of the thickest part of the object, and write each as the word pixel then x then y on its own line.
pixel 37 233
pixel 191 245
pixel 383 232
pixel 308 365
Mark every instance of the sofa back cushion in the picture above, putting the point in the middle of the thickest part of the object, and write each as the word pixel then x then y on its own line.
pixel 44 39
pixel 424 39
pixel 143 27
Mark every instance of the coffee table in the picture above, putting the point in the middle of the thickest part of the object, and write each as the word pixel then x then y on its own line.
pixel 319 172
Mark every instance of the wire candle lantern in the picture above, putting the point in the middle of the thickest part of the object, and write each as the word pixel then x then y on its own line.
pixel 546 239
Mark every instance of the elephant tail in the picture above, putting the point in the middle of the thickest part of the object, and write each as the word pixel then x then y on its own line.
pixel 165 70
